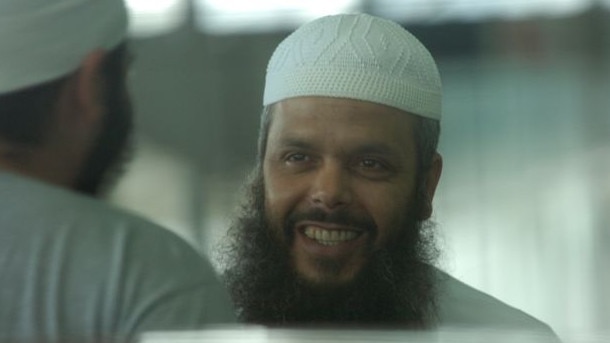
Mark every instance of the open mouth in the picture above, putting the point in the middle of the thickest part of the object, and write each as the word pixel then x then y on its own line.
pixel 330 237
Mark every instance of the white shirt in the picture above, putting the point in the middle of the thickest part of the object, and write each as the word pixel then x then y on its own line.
pixel 463 307
pixel 75 269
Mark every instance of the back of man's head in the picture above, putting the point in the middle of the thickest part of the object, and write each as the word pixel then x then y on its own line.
pixel 62 66
pixel 41 40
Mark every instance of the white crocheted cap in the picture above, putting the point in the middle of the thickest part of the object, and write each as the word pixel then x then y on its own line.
pixel 356 56
pixel 41 40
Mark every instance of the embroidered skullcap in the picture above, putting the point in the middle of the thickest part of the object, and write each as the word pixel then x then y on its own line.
pixel 356 56
pixel 41 40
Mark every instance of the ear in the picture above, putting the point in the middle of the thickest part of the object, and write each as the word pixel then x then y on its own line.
pixel 88 90
pixel 433 176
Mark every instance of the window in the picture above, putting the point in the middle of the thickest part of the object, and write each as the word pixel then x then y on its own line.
pixel 234 16
pixel 155 17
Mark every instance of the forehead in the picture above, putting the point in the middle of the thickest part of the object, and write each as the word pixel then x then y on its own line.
pixel 341 121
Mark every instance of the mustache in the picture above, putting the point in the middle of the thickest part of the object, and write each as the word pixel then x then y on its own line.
pixel 360 221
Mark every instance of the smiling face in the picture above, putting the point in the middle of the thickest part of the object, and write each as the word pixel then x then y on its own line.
pixel 339 176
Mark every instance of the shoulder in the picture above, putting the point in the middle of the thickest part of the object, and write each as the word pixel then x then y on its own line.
pixel 93 233
pixel 127 272
pixel 461 305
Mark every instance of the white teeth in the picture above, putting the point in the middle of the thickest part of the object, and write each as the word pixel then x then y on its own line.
pixel 325 235
pixel 329 237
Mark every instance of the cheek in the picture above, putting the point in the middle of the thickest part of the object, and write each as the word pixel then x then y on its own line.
pixel 280 199
pixel 275 218
pixel 390 211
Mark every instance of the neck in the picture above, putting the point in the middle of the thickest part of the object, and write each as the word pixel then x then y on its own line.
pixel 36 162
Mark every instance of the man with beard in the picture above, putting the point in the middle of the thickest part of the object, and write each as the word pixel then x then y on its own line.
pixel 71 267
pixel 335 229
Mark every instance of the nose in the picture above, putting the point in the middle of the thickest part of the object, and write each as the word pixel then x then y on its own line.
pixel 330 188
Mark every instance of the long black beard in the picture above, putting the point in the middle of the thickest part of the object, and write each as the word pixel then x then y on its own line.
pixel 113 148
pixel 395 289
pixel 109 156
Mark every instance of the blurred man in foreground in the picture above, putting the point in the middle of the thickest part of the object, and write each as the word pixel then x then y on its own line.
pixel 71 267
pixel 335 229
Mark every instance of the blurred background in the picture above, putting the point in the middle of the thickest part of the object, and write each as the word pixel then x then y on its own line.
pixel 523 209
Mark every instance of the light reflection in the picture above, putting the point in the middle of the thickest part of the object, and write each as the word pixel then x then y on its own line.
pixel 151 18
pixel 474 10
pixel 225 17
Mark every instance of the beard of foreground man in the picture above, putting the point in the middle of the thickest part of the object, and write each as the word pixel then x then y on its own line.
pixel 113 148
pixel 395 288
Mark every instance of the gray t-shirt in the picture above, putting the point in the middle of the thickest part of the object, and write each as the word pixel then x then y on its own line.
pixel 75 269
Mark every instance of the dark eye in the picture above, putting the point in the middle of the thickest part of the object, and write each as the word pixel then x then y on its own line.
pixel 373 168
pixel 370 163
pixel 298 157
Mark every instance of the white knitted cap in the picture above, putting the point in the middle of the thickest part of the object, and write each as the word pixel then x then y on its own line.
pixel 41 40
pixel 356 56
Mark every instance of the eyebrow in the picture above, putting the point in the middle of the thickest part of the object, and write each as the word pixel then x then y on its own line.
pixel 293 142
pixel 372 148
pixel 377 149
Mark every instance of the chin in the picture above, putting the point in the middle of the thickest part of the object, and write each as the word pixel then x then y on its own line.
pixel 323 278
